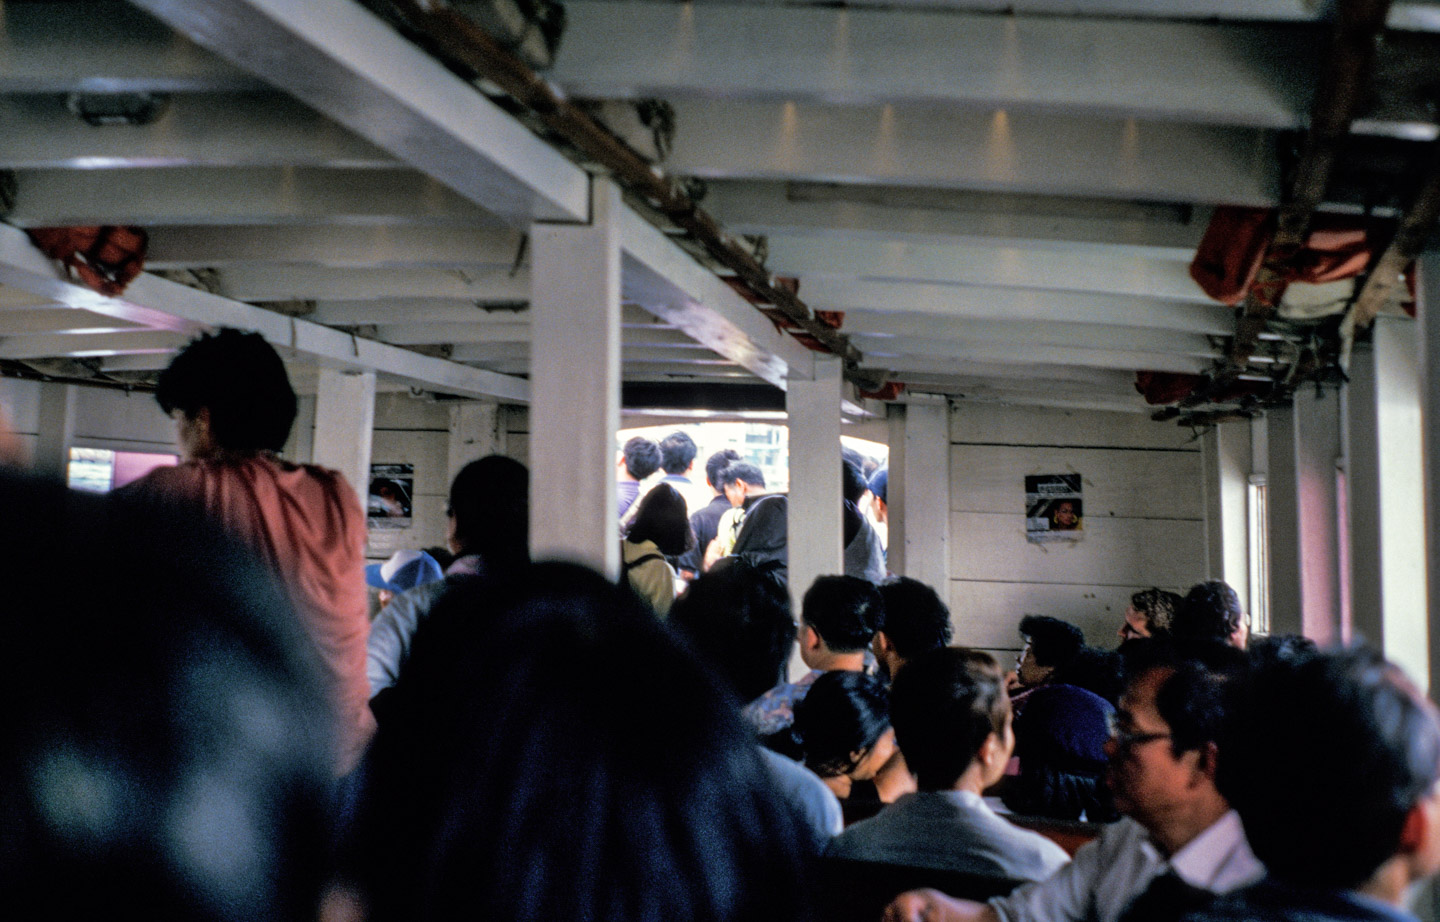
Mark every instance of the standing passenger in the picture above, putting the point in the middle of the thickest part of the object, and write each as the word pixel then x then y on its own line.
pixel 638 459
pixel 233 405
pixel 660 530
pixel 706 520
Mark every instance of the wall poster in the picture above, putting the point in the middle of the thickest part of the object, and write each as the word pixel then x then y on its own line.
pixel 392 491
pixel 1053 509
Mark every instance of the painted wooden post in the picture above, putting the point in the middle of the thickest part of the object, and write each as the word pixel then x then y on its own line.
pixel 474 433
pixel 345 425
pixel 924 494
pixel 1227 465
pixel 575 386
pixel 816 500
pixel 55 430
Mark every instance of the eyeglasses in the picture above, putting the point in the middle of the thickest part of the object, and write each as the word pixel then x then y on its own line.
pixel 1127 738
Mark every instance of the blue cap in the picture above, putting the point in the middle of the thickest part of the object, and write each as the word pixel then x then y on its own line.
pixel 878 481
pixel 403 571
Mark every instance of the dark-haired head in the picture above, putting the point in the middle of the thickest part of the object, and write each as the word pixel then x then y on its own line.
pixel 642 457
pixel 840 721
pixel 167 742
pixel 677 452
pixel 845 611
pixel 852 473
pixel 737 618
pixel 946 706
pixel 522 786
pixel 1050 644
pixel 716 464
pixel 916 621
pixel 662 519
pixel 234 384
pixel 489 511
pixel 1155 609
pixel 1327 758
pixel 743 472
pixel 1211 611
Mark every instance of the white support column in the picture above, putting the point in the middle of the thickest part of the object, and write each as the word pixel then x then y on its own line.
pixel 1304 521
pixel 575 385
pixel 1429 300
pixel 1226 453
pixel 923 502
pixel 474 433
pixel 1385 474
pixel 55 429
pixel 895 557
pixel 816 500
pixel 345 425
pixel 300 447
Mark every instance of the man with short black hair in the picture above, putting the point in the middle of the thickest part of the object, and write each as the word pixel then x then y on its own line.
pixel 1211 613
pixel 952 721
pixel 1180 841
pixel 1333 763
pixel 1050 644
pixel 638 459
pixel 677 460
pixel 916 622
pixel 740 482
pixel 706 521
pixel 840 615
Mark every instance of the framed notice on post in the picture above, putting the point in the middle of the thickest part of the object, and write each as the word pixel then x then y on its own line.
pixel 392 492
pixel 1053 508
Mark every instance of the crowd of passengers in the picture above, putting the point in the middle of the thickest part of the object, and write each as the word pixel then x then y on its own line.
pixel 203 724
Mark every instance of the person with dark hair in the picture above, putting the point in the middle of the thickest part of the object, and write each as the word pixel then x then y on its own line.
pixel 677 460
pixel 638 459
pixel 952 720
pixel 840 615
pixel 488 525
pixel 1050 644
pixel 706 520
pixel 168 741
pixel 1060 745
pixel 660 530
pixel 741 482
pixel 233 407
pixel 521 785
pixel 879 490
pixel 1211 613
pixel 1279 648
pixel 842 727
pixel 864 555
pixel 1180 841
pixel 1333 763
pixel 737 620
pixel 1151 612
pixel 763 538
pixel 916 622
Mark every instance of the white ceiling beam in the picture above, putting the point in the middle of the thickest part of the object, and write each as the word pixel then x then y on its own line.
pixel 943 338
pixel 487 353
pixel 89 345
pixel 1034 375
pixel 949 216
pixel 410 334
pixel 1044 355
pixel 986 303
pixel 1168 71
pixel 240 129
pixel 165 305
pixel 1033 152
pixel 176 247
pixel 1225 10
pixel 651 371
pixel 27 320
pixel 283 283
pixel 335 312
pixel 344 61
pixel 239 195
pixel 666 281
pixel 50 48
pixel 1059 402
pixel 1002 267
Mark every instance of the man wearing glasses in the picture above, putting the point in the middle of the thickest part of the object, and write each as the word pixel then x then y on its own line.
pixel 1179 843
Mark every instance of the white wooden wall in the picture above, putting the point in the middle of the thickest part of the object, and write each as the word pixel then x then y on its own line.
pixel 104 418
pixel 1144 518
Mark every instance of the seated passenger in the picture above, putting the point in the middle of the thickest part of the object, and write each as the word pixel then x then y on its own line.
pixel 1333 765
pixel 233 407
pixel 842 728
pixel 1211 613
pixel 405 570
pixel 1150 612
pixel 916 622
pixel 737 619
pixel 517 782
pixel 840 615
pixel 1050 644
pixel 1060 742
pixel 1180 841
pixel 659 530
pixel 952 721
pixel 168 744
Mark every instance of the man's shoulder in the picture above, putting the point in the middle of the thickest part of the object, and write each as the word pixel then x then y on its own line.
pixel 1278 903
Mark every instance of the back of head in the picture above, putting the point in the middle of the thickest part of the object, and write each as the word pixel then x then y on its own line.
pixel 764 533
pixel 916 620
pixel 490 502
pixel 844 713
pixel 642 457
pixel 1158 606
pixel 662 519
pixel 1324 759
pixel 1100 672
pixel 545 783
pixel 677 453
pixel 944 705
pixel 743 472
pixel 737 618
pixel 845 611
pixel 852 482
pixel 716 464
pixel 239 378
pixel 1054 642
pixel 1210 611
pixel 167 743
pixel 880 483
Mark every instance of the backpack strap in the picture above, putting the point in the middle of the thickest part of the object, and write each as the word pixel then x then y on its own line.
pixel 644 558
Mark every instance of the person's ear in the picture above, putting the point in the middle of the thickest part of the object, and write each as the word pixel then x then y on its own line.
pixel 883 645
pixel 1414 835
pixel 810 638
pixel 1206 761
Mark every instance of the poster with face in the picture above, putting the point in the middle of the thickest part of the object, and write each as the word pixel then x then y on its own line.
pixel 392 492
pixel 1053 508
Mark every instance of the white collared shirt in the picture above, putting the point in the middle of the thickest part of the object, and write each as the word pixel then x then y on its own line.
pixel 1110 872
